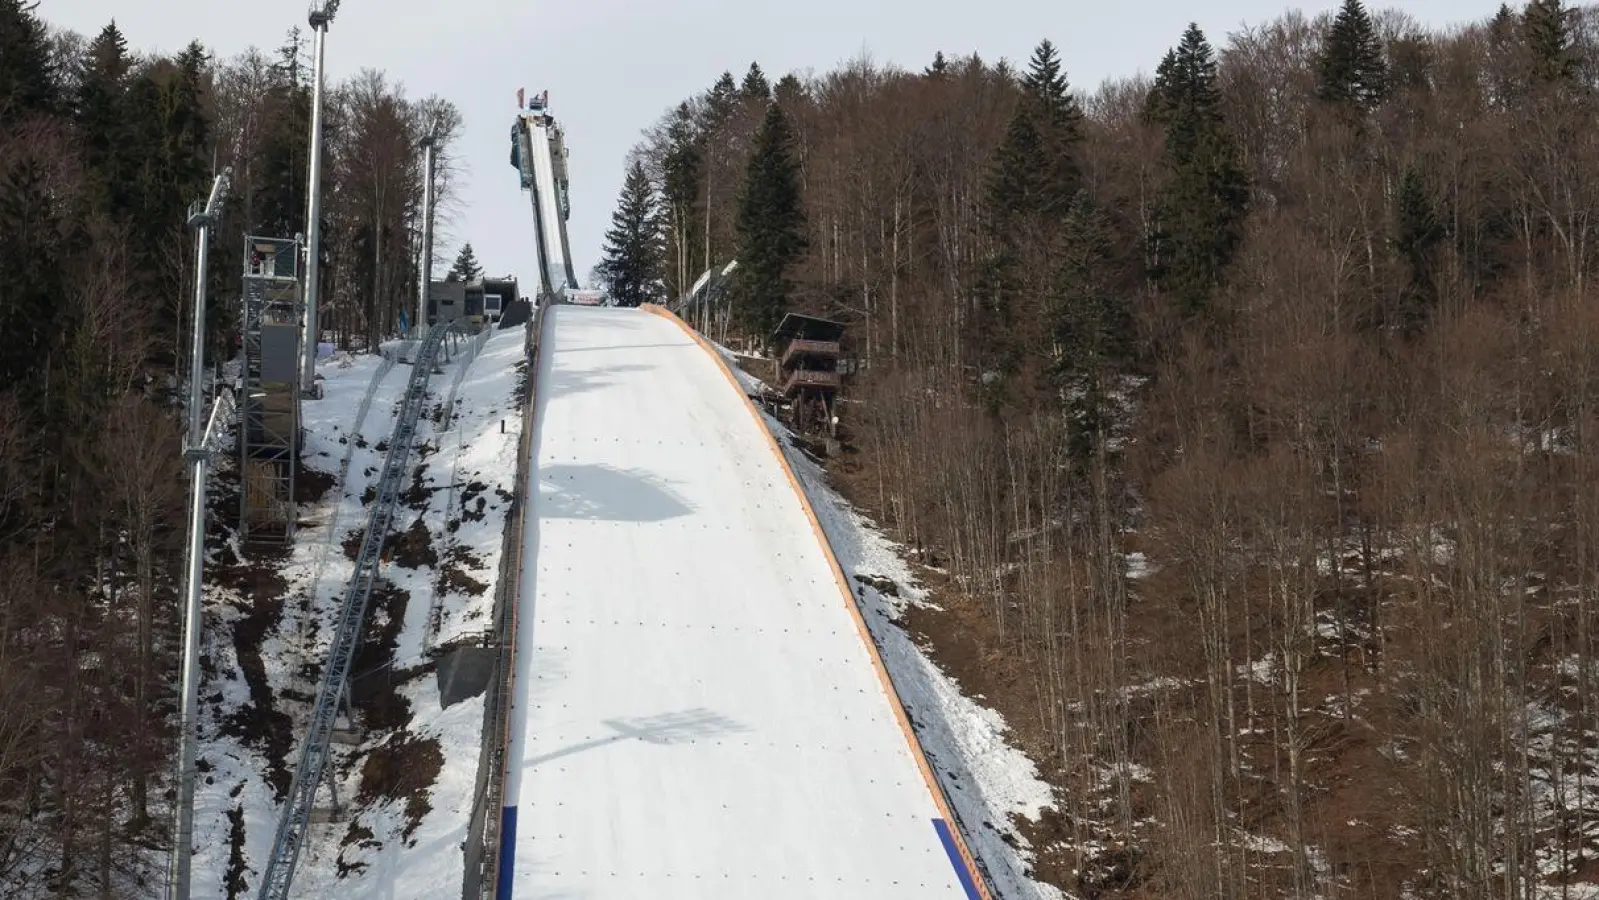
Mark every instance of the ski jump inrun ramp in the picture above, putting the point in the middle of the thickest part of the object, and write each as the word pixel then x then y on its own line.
pixel 697 710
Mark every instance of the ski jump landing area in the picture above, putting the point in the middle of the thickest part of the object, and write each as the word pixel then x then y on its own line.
pixel 697 709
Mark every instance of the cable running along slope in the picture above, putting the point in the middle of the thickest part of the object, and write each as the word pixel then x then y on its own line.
pixel 314 751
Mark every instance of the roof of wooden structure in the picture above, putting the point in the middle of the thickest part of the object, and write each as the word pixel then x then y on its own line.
pixel 807 328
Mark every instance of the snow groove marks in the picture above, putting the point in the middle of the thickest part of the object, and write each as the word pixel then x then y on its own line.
pixel 366 401
pixel 341 485
pixel 447 423
pixel 701 717
pixel 462 363
pixel 962 858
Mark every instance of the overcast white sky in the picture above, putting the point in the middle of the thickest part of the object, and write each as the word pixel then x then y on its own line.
pixel 613 66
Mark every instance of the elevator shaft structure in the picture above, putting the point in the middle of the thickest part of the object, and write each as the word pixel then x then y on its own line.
pixel 269 421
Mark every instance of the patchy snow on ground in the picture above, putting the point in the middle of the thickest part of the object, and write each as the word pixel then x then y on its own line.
pixel 404 840
pixel 236 800
pixel 408 841
pixel 987 779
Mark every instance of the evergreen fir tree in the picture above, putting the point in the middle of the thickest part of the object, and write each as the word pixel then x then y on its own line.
pixel 1351 69
pixel 282 169
pixel 28 82
pixel 1157 105
pixel 1090 325
pixel 720 101
pixel 755 86
pixel 104 125
pixel 1417 234
pixel 1016 195
pixel 789 93
pixel 631 265
pixel 1546 26
pixel 1503 25
pixel 1058 119
pixel 1202 208
pixel 1033 181
pixel 1016 188
pixel 939 67
pixel 1035 170
pixel 771 226
pixel 681 174
pixel 1045 87
pixel 466 267
pixel 186 121
pixel 108 55
pixel 1504 58
pixel 33 258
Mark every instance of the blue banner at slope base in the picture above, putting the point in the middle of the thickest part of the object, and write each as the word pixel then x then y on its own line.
pixel 947 838
pixel 503 883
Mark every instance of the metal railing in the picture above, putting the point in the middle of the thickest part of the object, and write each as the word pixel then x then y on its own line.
pixel 811 378
pixel 315 751
pixel 483 837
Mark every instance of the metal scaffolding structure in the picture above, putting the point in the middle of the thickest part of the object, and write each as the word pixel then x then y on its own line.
pixel 331 695
pixel 269 423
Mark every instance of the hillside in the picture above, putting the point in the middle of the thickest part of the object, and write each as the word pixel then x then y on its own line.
pixel 406 775
pixel 1239 420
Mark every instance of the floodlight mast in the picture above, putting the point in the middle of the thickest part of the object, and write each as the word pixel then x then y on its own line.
pixel 426 275
pixel 320 18
pixel 197 455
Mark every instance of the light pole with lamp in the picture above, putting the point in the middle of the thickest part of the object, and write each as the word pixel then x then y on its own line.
pixel 196 454
pixel 320 18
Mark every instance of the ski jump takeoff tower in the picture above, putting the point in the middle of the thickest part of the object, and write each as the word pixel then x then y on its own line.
pixel 538 153
pixel 269 417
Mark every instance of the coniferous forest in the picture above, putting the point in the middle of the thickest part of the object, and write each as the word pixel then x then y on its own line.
pixel 1245 418
pixel 101 154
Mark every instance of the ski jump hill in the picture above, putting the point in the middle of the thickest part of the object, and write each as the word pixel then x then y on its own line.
pixel 697 709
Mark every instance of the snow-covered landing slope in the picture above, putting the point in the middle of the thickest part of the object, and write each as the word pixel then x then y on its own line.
pixel 702 718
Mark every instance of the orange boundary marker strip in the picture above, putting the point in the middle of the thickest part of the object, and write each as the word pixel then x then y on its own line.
pixel 842 581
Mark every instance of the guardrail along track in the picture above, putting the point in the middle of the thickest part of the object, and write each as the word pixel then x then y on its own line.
pixel 484 830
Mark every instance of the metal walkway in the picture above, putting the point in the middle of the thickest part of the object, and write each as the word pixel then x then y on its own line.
pixel 314 753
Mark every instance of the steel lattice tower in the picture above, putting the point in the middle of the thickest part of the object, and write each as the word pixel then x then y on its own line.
pixel 269 408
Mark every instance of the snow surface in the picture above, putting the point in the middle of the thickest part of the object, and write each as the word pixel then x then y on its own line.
pixel 361 395
pixel 986 779
pixel 703 718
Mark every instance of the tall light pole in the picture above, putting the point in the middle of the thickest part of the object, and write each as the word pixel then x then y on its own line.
pixel 426 274
pixel 319 18
pixel 197 456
